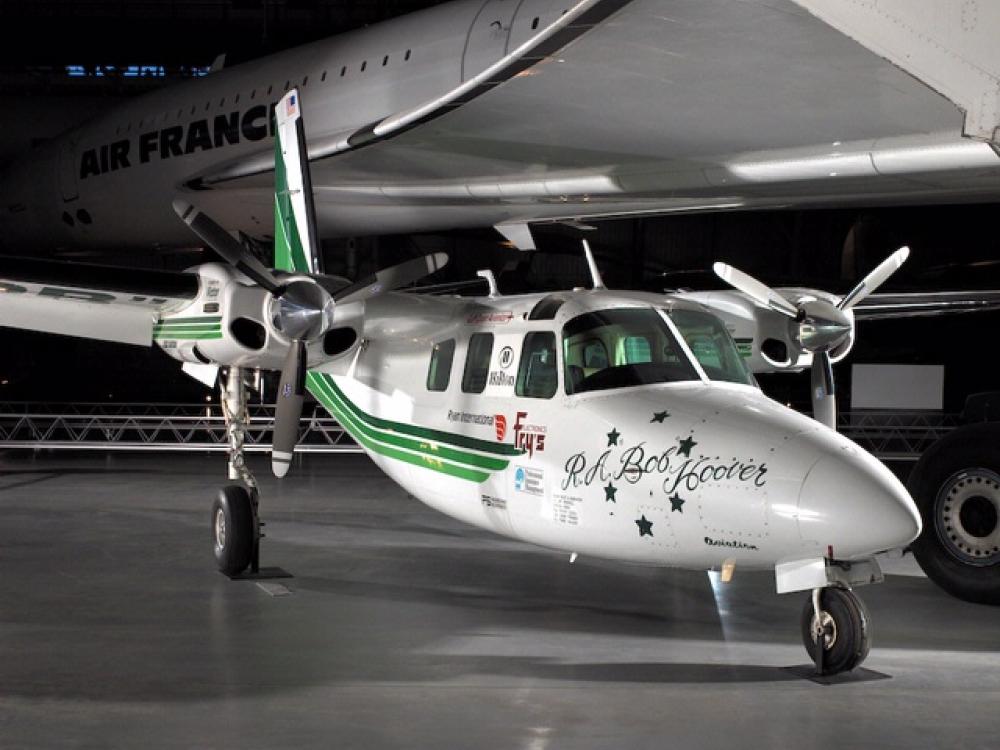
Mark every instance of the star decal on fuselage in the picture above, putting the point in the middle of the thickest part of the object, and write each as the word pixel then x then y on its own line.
pixel 685 446
pixel 609 493
pixel 676 503
pixel 613 437
pixel 659 416
pixel 645 526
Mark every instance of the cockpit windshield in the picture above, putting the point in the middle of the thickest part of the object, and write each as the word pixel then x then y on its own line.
pixel 712 346
pixel 620 348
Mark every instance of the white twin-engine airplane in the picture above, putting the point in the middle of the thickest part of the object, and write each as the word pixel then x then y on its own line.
pixel 621 425
pixel 505 113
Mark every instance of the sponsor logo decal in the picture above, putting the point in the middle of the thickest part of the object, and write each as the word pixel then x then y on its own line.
pixel 506 357
pixel 490 501
pixel 500 422
pixel 468 418
pixel 529 481
pixel 529 437
pixel 500 317
pixel 499 377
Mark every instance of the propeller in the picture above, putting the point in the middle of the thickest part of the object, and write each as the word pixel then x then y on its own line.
pixel 302 311
pixel 821 326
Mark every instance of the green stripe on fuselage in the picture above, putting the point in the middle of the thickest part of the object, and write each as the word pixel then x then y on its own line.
pixel 438 436
pixel 429 457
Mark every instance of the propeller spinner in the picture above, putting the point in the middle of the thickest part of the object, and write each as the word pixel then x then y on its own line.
pixel 821 325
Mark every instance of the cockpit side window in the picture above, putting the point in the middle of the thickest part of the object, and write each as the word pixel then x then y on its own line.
pixel 712 346
pixel 621 348
pixel 439 372
pixel 477 362
pixel 537 375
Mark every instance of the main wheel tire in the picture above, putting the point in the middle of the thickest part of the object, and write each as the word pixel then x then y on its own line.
pixel 956 485
pixel 847 637
pixel 232 529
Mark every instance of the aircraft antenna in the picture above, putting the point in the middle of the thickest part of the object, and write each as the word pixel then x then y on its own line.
pixel 485 273
pixel 592 264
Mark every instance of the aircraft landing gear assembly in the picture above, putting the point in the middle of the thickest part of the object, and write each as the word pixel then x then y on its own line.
pixel 236 524
pixel 836 630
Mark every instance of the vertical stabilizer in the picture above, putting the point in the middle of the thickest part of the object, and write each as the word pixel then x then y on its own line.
pixel 296 247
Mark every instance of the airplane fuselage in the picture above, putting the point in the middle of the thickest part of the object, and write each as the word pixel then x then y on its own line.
pixel 653 109
pixel 660 449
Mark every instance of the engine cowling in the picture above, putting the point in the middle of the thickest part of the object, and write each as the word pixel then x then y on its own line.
pixel 233 323
pixel 769 340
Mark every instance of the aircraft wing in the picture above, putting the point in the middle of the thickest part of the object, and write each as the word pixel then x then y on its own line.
pixel 887 306
pixel 90 301
pixel 655 106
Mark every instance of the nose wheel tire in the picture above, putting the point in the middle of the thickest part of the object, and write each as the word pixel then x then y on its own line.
pixel 232 529
pixel 842 631
pixel 956 485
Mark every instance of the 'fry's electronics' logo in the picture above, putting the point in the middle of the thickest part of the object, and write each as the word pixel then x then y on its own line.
pixel 528 437
pixel 500 422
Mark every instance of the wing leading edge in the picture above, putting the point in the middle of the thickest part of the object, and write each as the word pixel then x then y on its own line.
pixel 90 301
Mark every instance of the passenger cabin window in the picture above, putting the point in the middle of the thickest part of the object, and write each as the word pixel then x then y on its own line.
pixel 712 346
pixel 477 363
pixel 439 372
pixel 537 376
pixel 622 348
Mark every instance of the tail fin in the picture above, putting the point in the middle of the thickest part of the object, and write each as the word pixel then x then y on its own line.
pixel 296 247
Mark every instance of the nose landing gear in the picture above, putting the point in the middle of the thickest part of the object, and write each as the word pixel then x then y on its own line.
pixel 836 630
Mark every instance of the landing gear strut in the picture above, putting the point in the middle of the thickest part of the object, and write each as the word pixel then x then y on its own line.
pixel 836 630
pixel 236 524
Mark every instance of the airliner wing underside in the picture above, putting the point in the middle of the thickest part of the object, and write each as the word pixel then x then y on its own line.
pixel 97 302
pixel 670 106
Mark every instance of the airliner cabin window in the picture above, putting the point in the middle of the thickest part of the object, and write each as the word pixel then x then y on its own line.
pixel 477 362
pixel 439 372
pixel 537 375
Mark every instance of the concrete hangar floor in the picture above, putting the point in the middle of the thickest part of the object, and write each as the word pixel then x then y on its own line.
pixel 402 628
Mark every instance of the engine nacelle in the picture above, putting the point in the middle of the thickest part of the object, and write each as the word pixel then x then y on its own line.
pixel 769 340
pixel 231 323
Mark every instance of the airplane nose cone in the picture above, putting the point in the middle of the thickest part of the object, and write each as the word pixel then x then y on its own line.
pixel 853 503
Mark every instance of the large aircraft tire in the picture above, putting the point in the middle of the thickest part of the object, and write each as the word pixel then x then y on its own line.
pixel 232 529
pixel 956 485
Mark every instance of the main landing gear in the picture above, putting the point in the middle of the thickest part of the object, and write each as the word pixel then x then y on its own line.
pixel 236 524
pixel 836 630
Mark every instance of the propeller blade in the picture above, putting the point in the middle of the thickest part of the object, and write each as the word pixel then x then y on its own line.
pixel 225 245
pixel 289 408
pixel 754 289
pixel 392 277
pixel 824 398
pixel 875 279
